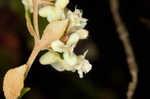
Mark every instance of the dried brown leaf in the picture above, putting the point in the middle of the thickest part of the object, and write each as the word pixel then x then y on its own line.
pixel 53 31
pixel 14 82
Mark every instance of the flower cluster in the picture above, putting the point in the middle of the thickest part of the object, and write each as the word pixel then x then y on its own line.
pixel 61 52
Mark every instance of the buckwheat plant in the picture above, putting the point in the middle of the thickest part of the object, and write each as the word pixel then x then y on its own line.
pixel 59 38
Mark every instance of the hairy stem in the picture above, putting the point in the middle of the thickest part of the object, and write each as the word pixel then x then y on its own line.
pixel 123 34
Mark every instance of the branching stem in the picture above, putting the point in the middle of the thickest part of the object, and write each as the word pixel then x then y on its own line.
pixel 36 34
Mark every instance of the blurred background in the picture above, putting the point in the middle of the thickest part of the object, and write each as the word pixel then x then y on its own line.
pixel 109 77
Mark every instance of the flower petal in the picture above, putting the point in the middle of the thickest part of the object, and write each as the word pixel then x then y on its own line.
pixel 44 12
pixel 49 58
pixel 70 58
pixel 73 39
pixel 83 67
pixel 57 46
pixel 51 13
pixel 83 33
pixel 80 73
pixel 86 66
pixel 76 20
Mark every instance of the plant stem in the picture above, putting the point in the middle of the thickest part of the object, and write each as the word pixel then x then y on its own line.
pixel 31 59
pixel 123 34
pixel 35 17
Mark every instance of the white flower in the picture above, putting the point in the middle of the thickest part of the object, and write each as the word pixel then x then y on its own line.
pixel 51 13
pixel 28 4
pixel 56 12
pixel 61 3
pixel 49 58
pixel 67 49
pixel 69 62
pixel 59 46
pixel 76 20
pixel 83 65
pixel 56 61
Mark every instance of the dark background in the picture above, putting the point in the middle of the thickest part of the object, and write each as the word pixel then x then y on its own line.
pixel 109 77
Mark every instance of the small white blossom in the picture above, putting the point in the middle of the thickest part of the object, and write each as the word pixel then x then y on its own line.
pixel 56 61
pixel 76 20
pixel 59 46
pixel 83 65
pixel 51 13
pixel 50 58
pixel 69 63
pixel 67 50
pixel 56 12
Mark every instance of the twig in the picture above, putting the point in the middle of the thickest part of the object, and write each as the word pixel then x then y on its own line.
pixel 123 34
pixel 30 27
pixel 32 57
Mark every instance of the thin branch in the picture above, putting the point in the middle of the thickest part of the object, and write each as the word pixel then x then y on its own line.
pixel 35 17
pixel 32 57
pixel 123 34
pixel 30 27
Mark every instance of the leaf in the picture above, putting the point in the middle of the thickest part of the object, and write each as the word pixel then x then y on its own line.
pixel 14 82
pixel 29 23
pixel 53 31
pixel 23 92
